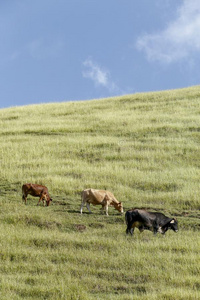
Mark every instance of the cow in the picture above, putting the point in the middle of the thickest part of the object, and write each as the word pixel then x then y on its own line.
pixel 100 197
pixel 36 190
pixel 153 221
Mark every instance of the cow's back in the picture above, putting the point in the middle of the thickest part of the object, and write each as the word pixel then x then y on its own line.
pixel 34 189
pixel 93 196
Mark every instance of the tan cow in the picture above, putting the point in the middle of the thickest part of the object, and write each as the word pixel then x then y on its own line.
pixel 36 190
pixel 100 197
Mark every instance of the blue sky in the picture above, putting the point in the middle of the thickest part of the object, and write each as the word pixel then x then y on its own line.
pixel 68 50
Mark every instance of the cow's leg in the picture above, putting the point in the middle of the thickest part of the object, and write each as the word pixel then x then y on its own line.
pixel 82 204
pixel 88 207
pixel 81 210
pixel 24 198
pixel 155 228
pixel 129 230
pixel 102 209
pixel 44 198
pixel 39 200
pixel 106 209
pixel 141 228
pixel 83 201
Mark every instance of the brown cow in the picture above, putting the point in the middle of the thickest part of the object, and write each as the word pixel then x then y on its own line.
pixel 36 190
pixel 100 197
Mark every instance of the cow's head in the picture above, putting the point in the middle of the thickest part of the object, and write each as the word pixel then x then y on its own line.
pixel 119 207
pixel 173 224
pixel 48 200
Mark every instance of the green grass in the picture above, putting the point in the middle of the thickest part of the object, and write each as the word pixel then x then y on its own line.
pixel 145 149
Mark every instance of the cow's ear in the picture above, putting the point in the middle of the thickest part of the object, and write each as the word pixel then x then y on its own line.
pixel 172 221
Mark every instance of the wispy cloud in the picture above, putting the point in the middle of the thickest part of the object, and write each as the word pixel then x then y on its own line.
pixel 179 40
pixel 43 48
pixel 96 73
pixel 100 76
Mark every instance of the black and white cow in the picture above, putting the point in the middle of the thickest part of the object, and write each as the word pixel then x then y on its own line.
pixel 154 221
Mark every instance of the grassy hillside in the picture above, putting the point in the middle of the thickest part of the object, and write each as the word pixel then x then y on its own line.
pixel 145 149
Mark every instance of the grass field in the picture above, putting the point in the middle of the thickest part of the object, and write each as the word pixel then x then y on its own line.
pixel 145 148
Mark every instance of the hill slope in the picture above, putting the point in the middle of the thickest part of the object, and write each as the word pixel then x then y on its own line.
pixel 145 149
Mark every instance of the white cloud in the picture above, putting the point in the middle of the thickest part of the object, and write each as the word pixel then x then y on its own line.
pixel 179 40
pixel 96 73
pixel 100 76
